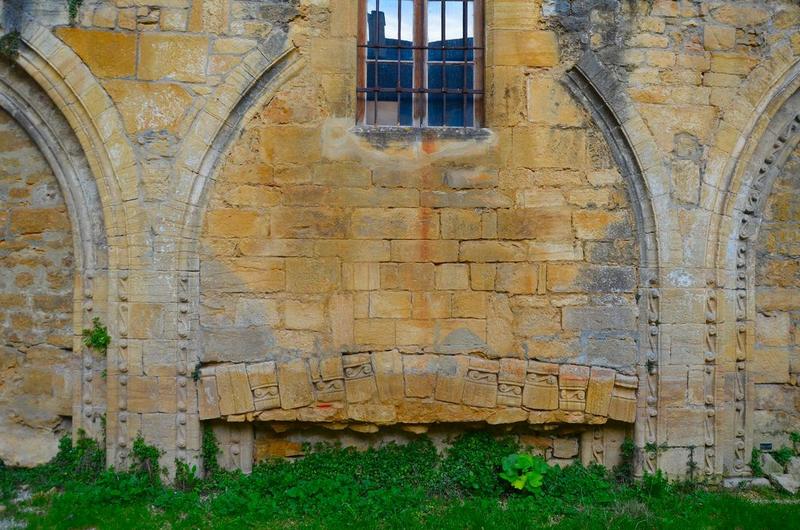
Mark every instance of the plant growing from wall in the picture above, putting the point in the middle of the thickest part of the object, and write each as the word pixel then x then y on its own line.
pixel 794 436
pixel 755 463
pixel 209 449
pixel 97 337
pixel 623 472
pixel 783 455
pixel 524 472
pixel 72 8
pixel 9 44
pixel 144 460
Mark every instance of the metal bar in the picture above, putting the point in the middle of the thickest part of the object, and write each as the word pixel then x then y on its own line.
pixel 377 55
pixel 399 40
pixel 391 46
pixel 421 90
pixel 478 38
pixel 361 62
pixel 444 65
pixel 464 16
pixel 420 45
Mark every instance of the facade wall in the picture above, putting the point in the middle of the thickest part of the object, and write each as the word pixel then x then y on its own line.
pixel 243 219
pixel 36 285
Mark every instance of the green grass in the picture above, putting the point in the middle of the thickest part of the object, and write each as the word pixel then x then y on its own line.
pixel 409 486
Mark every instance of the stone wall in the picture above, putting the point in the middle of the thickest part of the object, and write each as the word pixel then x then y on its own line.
pixel 236 216
pixel 777 350
pixel 36 284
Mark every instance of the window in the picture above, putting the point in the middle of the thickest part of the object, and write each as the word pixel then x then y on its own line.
pixel 420 63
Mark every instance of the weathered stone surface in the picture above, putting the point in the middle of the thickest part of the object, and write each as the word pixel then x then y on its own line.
pixel 294 384
pixel 541 386
pixel 623 398
pixel 359 377
pixel 598 394
pixel 480 389
pixel 573 381
pixel 451 378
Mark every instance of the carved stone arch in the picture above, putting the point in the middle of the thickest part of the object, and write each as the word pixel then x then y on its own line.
pixel 77 126
pixel 613 112
pixel 33 110
pixel 214 128
pixel 750 182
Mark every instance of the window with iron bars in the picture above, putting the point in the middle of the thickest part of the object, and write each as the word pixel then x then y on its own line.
pixel 420 63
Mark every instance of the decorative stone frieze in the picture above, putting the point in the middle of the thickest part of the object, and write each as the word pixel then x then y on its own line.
pixel 388 387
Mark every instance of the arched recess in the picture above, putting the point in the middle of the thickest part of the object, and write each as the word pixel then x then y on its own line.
pixel 73 121
pixel 216 125
pixel 32 109
pixel 97 133
pixel 613 112
pixel 759 160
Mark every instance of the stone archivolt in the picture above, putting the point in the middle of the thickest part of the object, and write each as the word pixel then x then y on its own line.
pixel 388 387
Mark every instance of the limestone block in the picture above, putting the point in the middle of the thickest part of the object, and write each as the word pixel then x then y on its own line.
pixel 541 386
pixel 341 314
pixel 263 380
pixel 106 53
pixel 507 415
pixel 312 275
pixel 573 381
pixel 451 378
pixel 421 250
pixel 517 278
pixel 452 276
pixel 480 389
pixel 525 48
pixel 389 375
pixel 327 376
pixel 304 315
pixel 565 447
pixel 623 398
pixel 718 37
pixel 294 384
pixel 145 106
pixel 493 251
pixel 510 381
pixel 178 57
pixel 372 413
pixel 420 372
pixel 430 305
pixel 359 378
pixel 544 224
pixel 208 398
pixel 235 395
pixel 598 395
pixel 142 393
pixel 395 223
pixel 390 304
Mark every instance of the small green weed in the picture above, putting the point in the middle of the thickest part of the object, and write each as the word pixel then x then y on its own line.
pixel 97 337
pixel 755 463
pixel 794 436
pixel 524 472
pixel 783 455
pixel 144 460
pixel 209 450
pixel 72 9
pixel 9 45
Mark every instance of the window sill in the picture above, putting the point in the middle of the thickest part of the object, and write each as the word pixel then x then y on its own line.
pixel 384 134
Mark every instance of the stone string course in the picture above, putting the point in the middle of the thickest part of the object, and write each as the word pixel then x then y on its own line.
pixel 388 387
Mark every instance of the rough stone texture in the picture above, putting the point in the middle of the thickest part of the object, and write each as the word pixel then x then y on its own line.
pixel 606 217
pixel 777 349
pixel 36 283
pixel 362 388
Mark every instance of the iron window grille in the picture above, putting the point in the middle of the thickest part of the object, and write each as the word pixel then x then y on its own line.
pixel 420 63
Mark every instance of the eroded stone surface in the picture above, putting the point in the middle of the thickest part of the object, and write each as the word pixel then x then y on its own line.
pixel 367 388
